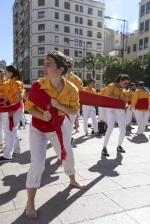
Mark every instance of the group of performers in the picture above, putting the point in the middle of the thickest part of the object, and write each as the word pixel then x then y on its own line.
pixel 53 102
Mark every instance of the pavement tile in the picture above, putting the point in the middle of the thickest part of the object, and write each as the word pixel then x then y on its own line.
pixel 10 165
pixel 131 180
pixel 131 198
pixel 141 215
pixel 45 216
pixel 6 204
pixel 83 208
pixel 104 184
pixel 121 218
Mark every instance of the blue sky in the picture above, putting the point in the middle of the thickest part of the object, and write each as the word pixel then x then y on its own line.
pixel 122 9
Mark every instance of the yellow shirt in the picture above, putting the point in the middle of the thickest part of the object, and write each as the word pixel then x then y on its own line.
pixel 24 94
pixel 69 95
pixel 139 94
pixel 129 94
pixel 4 88
pixel 75 80
pixel 87 89
pixel 112 89
pixel 15 86
pixel 103 92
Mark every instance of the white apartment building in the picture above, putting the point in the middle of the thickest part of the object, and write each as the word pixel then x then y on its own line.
pixel 3 64
pixel 74 27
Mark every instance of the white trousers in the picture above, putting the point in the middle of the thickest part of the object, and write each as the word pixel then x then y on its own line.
pixel 142 120
pixel 38 144
pixel 23 118
pixel 102 114
pixel 89 111
pixel 1 130
pixel 129 114
pixel 112 116
pixel 69 124
pixel 12 140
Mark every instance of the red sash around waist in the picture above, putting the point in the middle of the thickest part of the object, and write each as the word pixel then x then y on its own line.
pixel 8 108
pixel 129 102
pixel 42 100
pixel 142 104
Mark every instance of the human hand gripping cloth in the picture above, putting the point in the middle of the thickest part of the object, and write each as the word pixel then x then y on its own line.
pixel 42 100
pixel 10 108
pixel 92 99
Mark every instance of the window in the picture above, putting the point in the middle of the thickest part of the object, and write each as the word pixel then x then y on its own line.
pixel 80 32
pixel 89 33
pixel 99 13
pixel 41 27
pixel 99 35
pixel 80 43
pixel 66 5
pixel 76 42
pixel 141 44
pixel 140 57
pixel 41 15
pixel 81 8
pixel 41 50
pixel 90 11
pixel 145 56
pixel 56 49
pixel 90 22
pixel 88 75
pixel 142 10
pixel 41 39
pixel 88 54
pixel 56 27
pixel 97 86
pixel 66 29
pixel 66 52
pixel 81 20
pixel 56 39
pixel 142 27
pixel 66 17
pixel 40 62
pixel 41 2
pixel 134 47
pixel 76 53
pixel 66 41
pixel 146 42
pixel 75 64
pixel 128 50
pixel 57 3
pixel 147 25
pixel 76 31
pixel 99 46
pixel 99 24
pixel 89 44
pixel 78 20
pixel 147 7
pixel 80 54
pixel 78 8
pixel 40 73
pixel 98 77
pixel 56 15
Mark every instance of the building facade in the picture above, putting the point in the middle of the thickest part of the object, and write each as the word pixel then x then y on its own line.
pixel 3 64
pixel 74 27
pixel 21 37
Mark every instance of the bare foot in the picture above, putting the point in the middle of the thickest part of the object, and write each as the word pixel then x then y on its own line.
pixel 96 133
pixel 77 131
pixel 78 185
pixel 30 211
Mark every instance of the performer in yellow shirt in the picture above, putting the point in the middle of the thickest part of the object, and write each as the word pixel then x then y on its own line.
pixel 89 111
pixel 3 92
pixel 129 113
pixel 141 102
pixel 102 110
pixel 14 95
pixel 64 97
pixel 116 90
pixel 79 84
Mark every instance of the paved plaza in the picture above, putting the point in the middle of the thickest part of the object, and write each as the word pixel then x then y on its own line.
pixel 117 192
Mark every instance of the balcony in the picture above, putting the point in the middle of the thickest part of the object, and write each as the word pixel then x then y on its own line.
pixel 21 18
pixel 21 49
pixel 21 9
pixel 21 40
pixel 15 11
pixel 21 30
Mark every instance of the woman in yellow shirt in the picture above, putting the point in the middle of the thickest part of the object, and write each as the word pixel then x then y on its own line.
pixel 102 110
pixel 141 102
pixel 14 95
pixel 116 90
pixel 64 97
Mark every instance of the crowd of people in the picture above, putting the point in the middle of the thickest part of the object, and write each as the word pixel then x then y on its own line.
pixel 53 102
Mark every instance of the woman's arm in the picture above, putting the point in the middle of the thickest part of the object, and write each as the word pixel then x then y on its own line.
pixel 19 97
pixel 45 115
pixel 65 109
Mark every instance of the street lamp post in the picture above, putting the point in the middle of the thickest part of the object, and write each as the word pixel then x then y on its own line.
pixel 122 50
pixel 83 52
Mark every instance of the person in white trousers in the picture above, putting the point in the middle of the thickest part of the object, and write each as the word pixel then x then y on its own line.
pixel 116 90
pixel 64 97
pixel 141 102
pixel 89 111
pixel 129 113
pixel 14 95
pixel 102 110
pixel 79 84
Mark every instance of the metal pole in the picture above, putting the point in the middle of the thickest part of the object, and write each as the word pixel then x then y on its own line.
pixel 84 59
pixel 123 39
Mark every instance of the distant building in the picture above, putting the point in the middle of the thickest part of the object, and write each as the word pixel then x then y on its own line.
pixel 3 64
